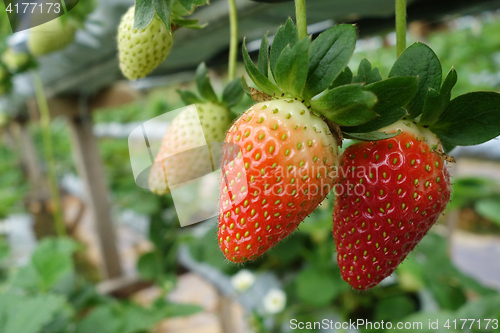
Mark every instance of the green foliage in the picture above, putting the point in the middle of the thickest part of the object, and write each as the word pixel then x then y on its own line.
pixel 419 60
pixel 367 74
pixel 47 296
pixel 12 185
pixel 339 104
pixel 169 11
pixel 392 94
pixel 203 83
pixel 329 55
pixel 470 119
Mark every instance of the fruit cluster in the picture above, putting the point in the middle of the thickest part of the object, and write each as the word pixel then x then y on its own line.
pixel 389 189
pixel 281 157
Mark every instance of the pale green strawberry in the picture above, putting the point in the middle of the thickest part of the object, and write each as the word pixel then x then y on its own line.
pixel 180 153
pixel 141 51
pixel 51 36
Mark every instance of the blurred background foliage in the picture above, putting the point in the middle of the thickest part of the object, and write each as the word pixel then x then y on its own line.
pixel 52 296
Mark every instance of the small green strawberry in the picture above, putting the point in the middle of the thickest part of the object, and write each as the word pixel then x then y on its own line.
pixel 51 36
pixel 141 51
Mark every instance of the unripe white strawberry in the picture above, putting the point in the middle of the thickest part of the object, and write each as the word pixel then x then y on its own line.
pixel 50 36
pixel 141 51
pixel 179 155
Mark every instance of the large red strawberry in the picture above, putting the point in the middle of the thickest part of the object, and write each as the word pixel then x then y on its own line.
pixel 281 173
pixel 390 193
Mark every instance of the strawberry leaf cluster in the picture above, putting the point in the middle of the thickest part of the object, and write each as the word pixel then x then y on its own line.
pixel 232 94
pixel 316 72
pixel 170 12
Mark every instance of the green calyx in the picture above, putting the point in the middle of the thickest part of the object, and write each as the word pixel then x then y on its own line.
pixel 172 13
pixel 469 119
pixel 232 94
pixel 316 72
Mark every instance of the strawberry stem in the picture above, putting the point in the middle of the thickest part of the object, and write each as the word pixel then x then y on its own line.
pixel 300 13
pixel 401 25
pixel 49 154
pixel 233 48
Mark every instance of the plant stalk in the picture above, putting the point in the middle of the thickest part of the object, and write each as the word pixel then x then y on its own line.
pixel 301 17
pixel 401 25
pixel 233 48
pixel 49 154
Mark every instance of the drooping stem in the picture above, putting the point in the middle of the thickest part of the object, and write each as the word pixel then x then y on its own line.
pixel 233 48
pixel 301 17
pixel 401 25
pixel 49 154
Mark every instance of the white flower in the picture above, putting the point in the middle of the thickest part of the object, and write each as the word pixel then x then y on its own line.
pixel 275 301
pixel 243 280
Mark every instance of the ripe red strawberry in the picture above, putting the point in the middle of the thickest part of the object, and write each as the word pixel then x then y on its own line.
pixel 281 174
pixel 391 193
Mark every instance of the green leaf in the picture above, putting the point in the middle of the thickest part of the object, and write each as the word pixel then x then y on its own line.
pixel 52 260
pixel 470 119
pixel 433 107
pixel 203 83
pixel 366 74
pixel 392 94
pixel 447 147
pixel 317 287
pixel 371 136
pixel 348 105
pixel 144 13
pixel 149 266
pixel 245 87
pixel 263 62
pixel 233 93
pixel 419 60
pixel 261 81
pixel 291 68
pixel 190 5
pixel 389 117
pixel 188 97
pixel 27 314
pixel 328 56
pixel 448 84
pixel 103 317
pixel 287 35
pixel 470 189
pixel 345 77
pixel 164 9
pixel 394 308
pixel 172 310
pixel 489 208
pixel 190 24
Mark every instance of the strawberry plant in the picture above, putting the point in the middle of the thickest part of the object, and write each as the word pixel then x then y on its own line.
pixel 393 185
pixel 288 143
pixel 146 33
